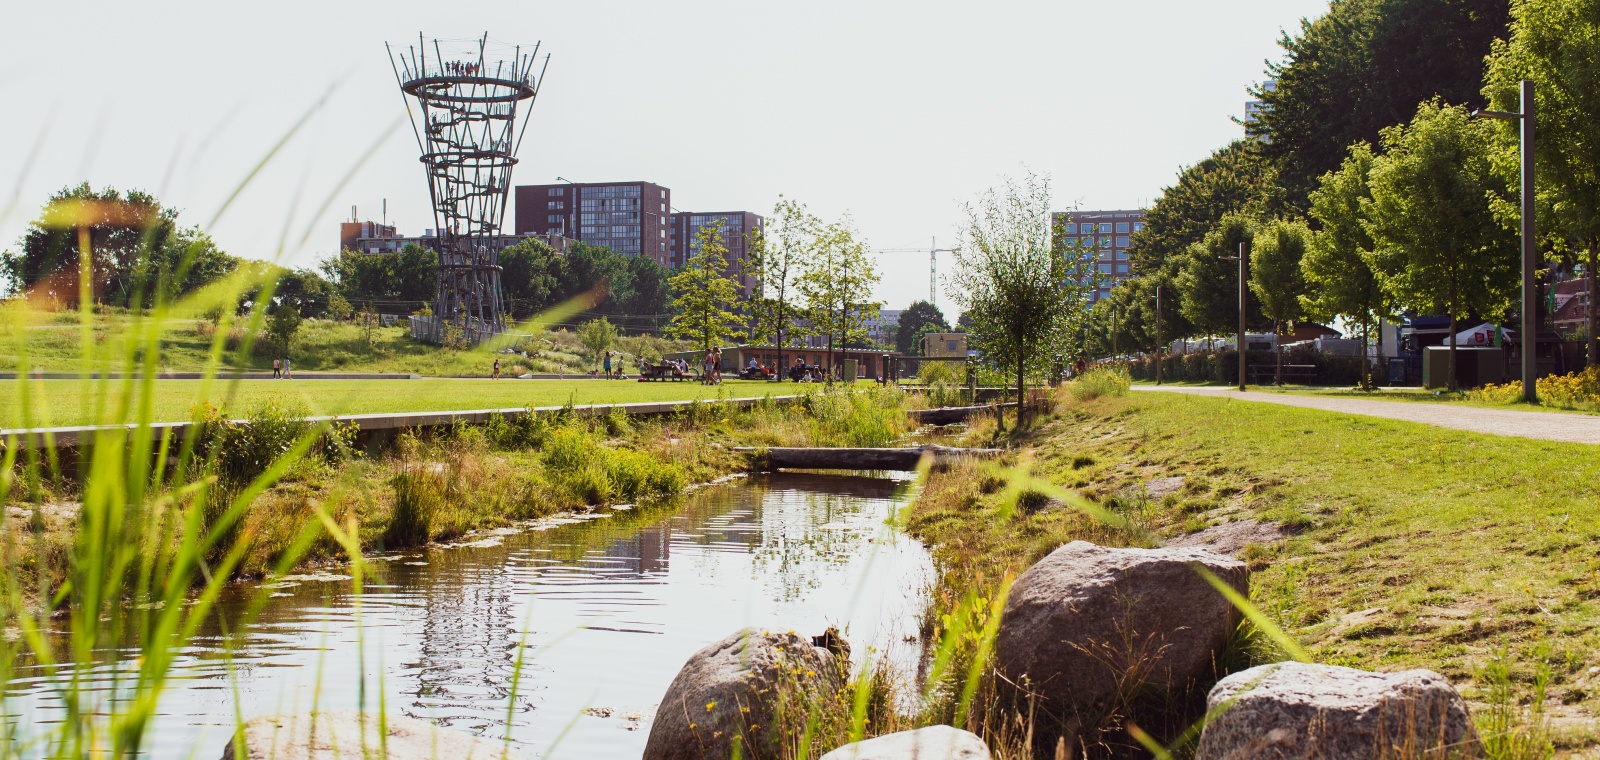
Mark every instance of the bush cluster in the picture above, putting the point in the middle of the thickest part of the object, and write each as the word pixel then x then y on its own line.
pixel 1104 380
pixel 240 450
pixel 1574 390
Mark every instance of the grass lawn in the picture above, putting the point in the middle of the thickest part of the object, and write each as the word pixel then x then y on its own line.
pixel 1469 554
pixel 61 402
pixel 53 342
pixel 1410 394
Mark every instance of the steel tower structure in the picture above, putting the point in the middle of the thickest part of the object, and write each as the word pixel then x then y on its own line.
pixel 466 127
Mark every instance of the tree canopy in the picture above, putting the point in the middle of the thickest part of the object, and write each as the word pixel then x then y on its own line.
pixel 919 318
pixel 706 295
pixel 136 250
pixel 1438 246
pixel 1364 66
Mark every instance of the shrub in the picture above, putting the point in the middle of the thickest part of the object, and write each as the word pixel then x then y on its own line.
pixel 1101 381
pixel 420 490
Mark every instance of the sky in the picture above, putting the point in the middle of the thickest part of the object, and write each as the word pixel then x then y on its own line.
pixel 893 113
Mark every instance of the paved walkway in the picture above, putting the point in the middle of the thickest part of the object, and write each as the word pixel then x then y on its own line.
pixel 1548 426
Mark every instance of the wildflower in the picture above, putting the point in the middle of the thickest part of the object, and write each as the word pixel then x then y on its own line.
pixel 710 705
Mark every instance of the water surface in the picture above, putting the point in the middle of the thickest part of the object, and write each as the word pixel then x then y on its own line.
pixel 608 607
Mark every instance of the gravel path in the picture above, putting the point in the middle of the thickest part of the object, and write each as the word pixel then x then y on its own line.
pixel 1548 426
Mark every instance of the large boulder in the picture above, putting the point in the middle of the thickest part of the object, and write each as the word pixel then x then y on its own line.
pixel 1294 710
pixel 1090 627
pixel 351 735
pixel 931 743
pixel 744 688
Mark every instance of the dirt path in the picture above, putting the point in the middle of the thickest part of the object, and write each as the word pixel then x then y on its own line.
pixel 1549 426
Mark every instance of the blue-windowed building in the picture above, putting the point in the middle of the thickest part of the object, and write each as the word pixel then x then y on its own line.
pixel 1104 237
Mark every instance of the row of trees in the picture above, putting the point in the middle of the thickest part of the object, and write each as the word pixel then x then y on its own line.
pixel 1370 193
pixel 812 278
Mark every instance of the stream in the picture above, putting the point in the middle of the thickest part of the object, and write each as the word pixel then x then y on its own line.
pixel 603 609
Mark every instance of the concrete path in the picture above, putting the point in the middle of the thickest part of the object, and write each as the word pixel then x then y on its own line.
pixel 1547 426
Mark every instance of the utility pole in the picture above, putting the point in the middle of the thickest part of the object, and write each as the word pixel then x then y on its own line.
pixel 1244 261
pixel 1530 327
pixel 1161 347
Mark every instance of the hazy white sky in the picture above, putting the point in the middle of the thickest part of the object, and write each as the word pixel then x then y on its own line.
pixel 895 112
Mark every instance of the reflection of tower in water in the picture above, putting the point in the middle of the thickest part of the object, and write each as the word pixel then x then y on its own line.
pixel 468 652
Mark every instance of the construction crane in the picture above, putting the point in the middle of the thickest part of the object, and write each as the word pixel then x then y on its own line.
pixel 933 250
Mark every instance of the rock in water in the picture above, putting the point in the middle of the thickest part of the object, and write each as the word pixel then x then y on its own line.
pixel 737 690
pixel 1294 709
pixel 350 735
pixel 1089 627
pixel 931 743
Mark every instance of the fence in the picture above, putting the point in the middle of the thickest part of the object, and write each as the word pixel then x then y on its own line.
pixel 1223 366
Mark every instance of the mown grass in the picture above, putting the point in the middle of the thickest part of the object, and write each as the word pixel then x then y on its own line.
pixel 64 402
pixel 1416 546
pixel 50 341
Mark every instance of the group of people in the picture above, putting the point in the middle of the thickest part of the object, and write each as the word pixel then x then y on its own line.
pixel 281 369
pixel 711 368
pixel 460 68
pixel 804 373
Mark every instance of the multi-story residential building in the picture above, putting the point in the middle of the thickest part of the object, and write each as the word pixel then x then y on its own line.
pixel 882 328
pixel 736 229
pixel 631 218
pixel 1253 108
pixel 1104 238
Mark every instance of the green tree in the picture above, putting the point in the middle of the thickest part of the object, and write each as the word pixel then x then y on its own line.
pixel 1019 287
pixel 597 336
pixel 1556 44
pixel 778 258
pixel 1364 66
pixel 837 282
pixel 705 296
pixel 1229 181
pixel 1208 285
pixel 282 325
pixel 137 253
pixel 1276 278
pixel 1438 246
pixel 920 318
pixel 1339 279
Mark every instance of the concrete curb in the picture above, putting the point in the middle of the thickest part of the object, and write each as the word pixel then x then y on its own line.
pixel 71 437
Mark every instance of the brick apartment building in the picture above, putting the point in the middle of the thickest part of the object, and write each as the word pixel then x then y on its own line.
pixel 631 218
pixel 1104 235
pixel 736 229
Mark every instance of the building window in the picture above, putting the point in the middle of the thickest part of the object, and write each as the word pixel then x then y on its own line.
pixel 1138 226
pixel 1105 226
pixel 554 218
pixel 1122 268
pixel 553 205
pixel 1122 226
pixel 1070 228
pixel 558 191
pixel 1122 241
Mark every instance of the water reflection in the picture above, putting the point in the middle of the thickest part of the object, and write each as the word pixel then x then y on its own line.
pixel 609 609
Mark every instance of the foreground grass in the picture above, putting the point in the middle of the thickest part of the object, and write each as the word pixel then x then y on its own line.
pixel 1417 546
pixel 63 402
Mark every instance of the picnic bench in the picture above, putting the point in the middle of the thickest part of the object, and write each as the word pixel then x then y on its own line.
pixel 664 371
pixel 1304 374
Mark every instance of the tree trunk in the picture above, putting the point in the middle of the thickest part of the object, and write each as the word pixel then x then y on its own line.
pixel 1022 406
pixel 1592 314
pixel 1278 373
pixel 1452 385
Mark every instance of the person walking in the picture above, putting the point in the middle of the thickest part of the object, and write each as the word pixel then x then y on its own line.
pixel 277 368
pixel 288 369
pixel 496 374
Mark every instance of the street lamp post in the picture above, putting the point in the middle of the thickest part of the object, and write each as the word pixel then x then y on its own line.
pixel 1160 347
pixel 1530 337
pixel 1243 258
